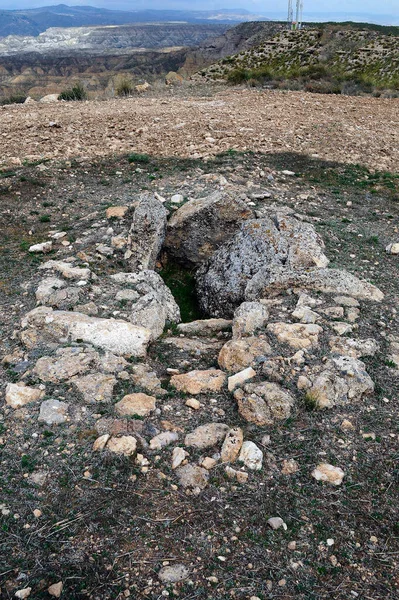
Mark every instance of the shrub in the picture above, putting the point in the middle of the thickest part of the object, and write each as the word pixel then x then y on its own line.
pixel 239 75
pixel 13 99
pixel 76 93
pixel 140 158
pixel 124 87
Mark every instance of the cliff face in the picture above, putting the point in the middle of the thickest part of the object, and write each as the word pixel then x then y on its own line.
pixel 234 40
pixel 97 40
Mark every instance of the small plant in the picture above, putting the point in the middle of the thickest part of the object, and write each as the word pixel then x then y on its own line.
pixel 138 158
pixel 124 87
pixel 76 93
pixel 13 99
pixel 311 400
pixel 44 218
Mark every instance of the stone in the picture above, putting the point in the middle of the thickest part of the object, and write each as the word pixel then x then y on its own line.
pixel 204 327
pixel 125 444
pixel 49 99
pixel 232 445
pixel 341 328
pixel 177 199
pixel 145 378
pixel 136 404
pixel 208 463
pixel 199 227
pixel 53 412
pixel 178 456
pixel 271 282
pixel 19 394
pixel 147 233
pixel 96 387
pixel 46 288
pixel 346 301
pixel 116 212
pixel 193 403
pixel 355 348
pixel 65 298
pixel 239 378
pixel 251 456
pixel 334 312
pixel 195 346
pixel 278 239
pixel 392 248
pixel 104 250
pixel 43 248
pixel 173 573
pixel 87 309
pixel 163 439
pixel 277 523
pixel 296 335
pixel 66 363
pixel 67 270
pixel 240 354
pixel 304 314
pixel 156 305
pixel 24 593
pixel 55 590
pixel 263 403
pixel 248 318
pixel 347 425
pixel 119 242
pixel 290 467
pixel 192 476
pixel 101 442
pixel 343 379
pixel 328 473
pixel 303 383
pixel 206 436
pixel 199 382
pixel 42 325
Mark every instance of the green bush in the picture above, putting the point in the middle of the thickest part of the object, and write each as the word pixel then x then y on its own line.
pixel 13 99
pixel 76 93
pixel 239 75
pixel 124 87
pixel 138 158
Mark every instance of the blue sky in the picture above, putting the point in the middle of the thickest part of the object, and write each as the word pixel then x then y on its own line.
pixel 265 7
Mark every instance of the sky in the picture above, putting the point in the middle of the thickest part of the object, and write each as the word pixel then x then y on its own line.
pixel 265 7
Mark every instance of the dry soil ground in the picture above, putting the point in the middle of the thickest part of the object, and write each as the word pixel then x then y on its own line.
pixel 106 536
pixel 346 129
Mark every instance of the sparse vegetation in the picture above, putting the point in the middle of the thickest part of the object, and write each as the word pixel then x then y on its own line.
pixel 76 93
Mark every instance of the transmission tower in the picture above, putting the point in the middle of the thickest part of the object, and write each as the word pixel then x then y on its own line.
pixel 297 24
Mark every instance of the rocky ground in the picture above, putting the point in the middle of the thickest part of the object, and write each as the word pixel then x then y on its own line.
pixel 345 129
pixel 161 437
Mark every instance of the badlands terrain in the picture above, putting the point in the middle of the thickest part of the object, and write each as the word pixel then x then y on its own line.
pixel 200 347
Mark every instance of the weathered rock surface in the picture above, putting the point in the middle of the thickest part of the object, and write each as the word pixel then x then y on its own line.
pixel 47 287
pixel 251 456
pixel 200 226
pixel 155 306
pixel 53 412
pixel 44 326
pixel 147 234
pixel 329 473
pixel 193 476
pixel 296 335
pixel 257 246
pixel 66 363
pixel 248 318
pixel 67 270
pixel 232 445
pixel 173 573
pixel 355 348
pixel 343 379
pixel 125 444
pixel 269 282
pixel 263 403
pixel 206 436
pixel 135 404
pixel 204 327
pixel 239 354
pixel 19 394
pixel 198 382
pixel 240 378
pixel 95 387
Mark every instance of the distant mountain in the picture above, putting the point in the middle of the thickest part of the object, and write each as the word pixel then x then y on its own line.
pixel 34 21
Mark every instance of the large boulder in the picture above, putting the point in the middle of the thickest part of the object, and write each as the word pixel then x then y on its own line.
pixel 154 305
pixel 147 234
pixel 276 240
pixel 200 226
pixel 45 326
pixel 275 280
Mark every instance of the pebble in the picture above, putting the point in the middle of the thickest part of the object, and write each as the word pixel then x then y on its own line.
pixel 55 590
pixel 25 593
pixel 276 523
pixel 193 403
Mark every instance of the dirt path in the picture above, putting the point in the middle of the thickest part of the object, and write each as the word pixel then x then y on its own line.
pixel 347 129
